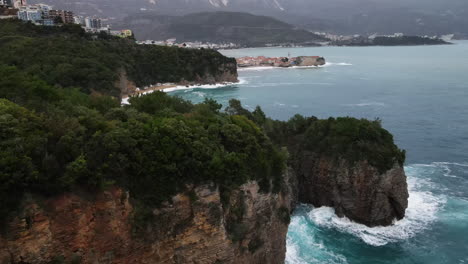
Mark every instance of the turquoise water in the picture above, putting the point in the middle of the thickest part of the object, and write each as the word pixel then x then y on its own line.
pixel 421 94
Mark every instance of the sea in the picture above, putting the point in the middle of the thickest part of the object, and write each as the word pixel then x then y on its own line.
pixel 421 95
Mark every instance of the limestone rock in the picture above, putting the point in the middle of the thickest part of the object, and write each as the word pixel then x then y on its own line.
pixel 357 191
pixel 196 228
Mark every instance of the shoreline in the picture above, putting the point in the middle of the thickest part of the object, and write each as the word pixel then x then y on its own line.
pixel 150 90
pixel 175 87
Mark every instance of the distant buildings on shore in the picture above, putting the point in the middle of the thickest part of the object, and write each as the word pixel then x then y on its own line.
pixel 262 61
pixel 193 45
pixel 45 15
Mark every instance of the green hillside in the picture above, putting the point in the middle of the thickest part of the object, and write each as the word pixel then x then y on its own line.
pixel 68 57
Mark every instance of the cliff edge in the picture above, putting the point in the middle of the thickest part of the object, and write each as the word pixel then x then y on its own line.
pixel 352 165
pixel 359 192
pixel 194 227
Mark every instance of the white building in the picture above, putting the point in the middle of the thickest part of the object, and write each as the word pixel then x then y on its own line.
pixel 45 9
pixel 80 20
pixel 38 14
pixel 19 3
pixel 94 23
pixel 30 13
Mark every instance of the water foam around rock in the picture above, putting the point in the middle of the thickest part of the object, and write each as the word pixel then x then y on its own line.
pixel 422 211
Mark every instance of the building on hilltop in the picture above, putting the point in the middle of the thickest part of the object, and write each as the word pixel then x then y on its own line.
pixel 18 3
pixel 79 20
pixel 126 33
pixel 8 12
pixel 62 16
pixel 6 3
pixel 93 23
pixel 38 14
pixel 30 13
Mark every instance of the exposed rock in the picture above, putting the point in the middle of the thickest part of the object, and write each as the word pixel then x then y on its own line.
pixel 226 73
pixel 125 86
pixel 194 228
pixel 357 191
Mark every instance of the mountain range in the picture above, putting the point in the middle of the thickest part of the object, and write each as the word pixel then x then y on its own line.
pixel 219 27
pixel 337 16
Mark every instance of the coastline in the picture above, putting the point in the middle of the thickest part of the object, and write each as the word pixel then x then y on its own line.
pixel 175 87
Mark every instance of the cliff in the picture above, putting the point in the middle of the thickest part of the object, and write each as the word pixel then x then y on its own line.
pixel 349 164
pixel 196 227
pixel 358 191
pixel 225 73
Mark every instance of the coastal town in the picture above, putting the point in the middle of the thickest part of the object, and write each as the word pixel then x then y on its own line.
pixel 283 62
pixel 190 45
pixel 45 15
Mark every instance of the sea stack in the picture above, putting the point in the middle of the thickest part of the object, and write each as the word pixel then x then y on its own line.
pixel 351 165
pixel 358 191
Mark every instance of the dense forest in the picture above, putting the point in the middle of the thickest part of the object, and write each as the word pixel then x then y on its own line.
pixel 54 140
pixel 57 135
pixel 407 41
pixel 68 57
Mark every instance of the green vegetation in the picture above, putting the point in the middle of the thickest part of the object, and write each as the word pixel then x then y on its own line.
pixel 345 137
pixel 55 139
pixel 68 57
pixel 355 140
pixel 407 40
pixel 61 129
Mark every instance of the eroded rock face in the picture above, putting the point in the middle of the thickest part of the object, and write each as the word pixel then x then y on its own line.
pixel 194 228
pixel 226 73
pixel 357 191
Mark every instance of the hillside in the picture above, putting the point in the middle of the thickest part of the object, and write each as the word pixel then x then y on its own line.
pixel 235 27
pixel 413 17
pixel 100 63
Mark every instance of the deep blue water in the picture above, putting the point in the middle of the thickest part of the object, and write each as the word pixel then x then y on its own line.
pixel 421 94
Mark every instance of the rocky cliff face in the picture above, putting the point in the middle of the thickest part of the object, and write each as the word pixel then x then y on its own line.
pixel 193 228
pixel 226 72
pixel 357 191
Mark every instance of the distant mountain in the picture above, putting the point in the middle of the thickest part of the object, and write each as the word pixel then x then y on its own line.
pixel 418 17
pixel 221 27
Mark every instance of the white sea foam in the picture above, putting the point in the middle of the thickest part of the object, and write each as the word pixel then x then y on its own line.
pixel 301 238
pixel 292 253
pixel 367 104
pixel 125 101
pixel 256 68
pixel 330 64
pixel 205 86
pixel 263 68
pixel 422 211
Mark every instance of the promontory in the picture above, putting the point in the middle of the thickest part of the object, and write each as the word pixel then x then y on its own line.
pixel 162 180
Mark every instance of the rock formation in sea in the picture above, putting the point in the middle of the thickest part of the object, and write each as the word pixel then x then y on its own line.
pixel 359 191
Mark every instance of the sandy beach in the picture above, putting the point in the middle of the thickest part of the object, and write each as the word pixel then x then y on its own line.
pixel 151 89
